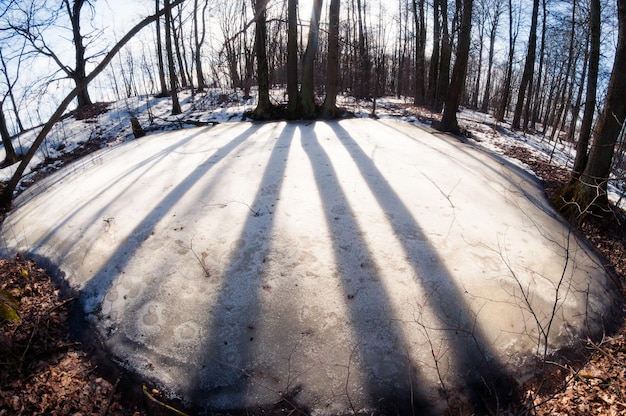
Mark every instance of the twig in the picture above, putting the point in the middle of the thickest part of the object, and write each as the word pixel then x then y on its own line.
pixel 249 376
pixel 160 403
pixel 348 378
pixel 207 273
pixel 105 412
pixel 30 341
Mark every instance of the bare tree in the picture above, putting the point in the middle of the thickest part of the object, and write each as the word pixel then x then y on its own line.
pixel 332 72
pixel 529 66
pixel 34 23
pixel 10 155
pixel 445 57
pixel 10 84
pixel 292 57
pixel 199 36
pixel 449 121
pixel 79 73
pixel 506 90
pixel 588 194
pixel 159 46
pixel 307 93
pixel 263 107
pixel 480 24
pixel 433 72
pixel 170 59
pixel 363 64
pixel 420 52
pixel 493 18
pixel 592 83
pixel 6 195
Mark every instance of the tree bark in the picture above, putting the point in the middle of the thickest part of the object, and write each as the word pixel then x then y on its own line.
pixel 506 93
pixel 588 194
pixel 529 65
pixel 537 101
pixel 177 46
pixel 10 86
pixel 449 121
pixel 10 157
pixel 292 57
pixel 592 83
pixel 420 52
pixel 170 59
pixel 78 74
pixel 445 55
pixel 332 71
pixel 159 45
pixel 199 40
pixel 307 93
pixel 493 30
pixel 363 78
pixel 481 38
pixel 263 108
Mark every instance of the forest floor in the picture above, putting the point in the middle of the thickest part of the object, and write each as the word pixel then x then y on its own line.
pixel 45 370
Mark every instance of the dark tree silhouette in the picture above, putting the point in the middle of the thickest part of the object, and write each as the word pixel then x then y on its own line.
pixel 592 83
pixel 449 121
pixel 332 71
pixel 6 194
pixel 263 107
pixel 588 193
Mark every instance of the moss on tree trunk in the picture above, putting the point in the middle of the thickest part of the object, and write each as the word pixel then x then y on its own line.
pixel 579 199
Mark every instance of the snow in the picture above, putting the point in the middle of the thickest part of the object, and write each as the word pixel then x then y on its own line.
pixel 347 264
pixel 113 126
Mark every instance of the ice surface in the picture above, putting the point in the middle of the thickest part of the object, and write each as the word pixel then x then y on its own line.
pixel 345 265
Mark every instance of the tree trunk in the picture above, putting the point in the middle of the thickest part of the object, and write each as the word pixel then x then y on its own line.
pixel 363 79
pixel 579 95
pixel 10 157
pixel 506 93
pixel 159 45
pixel 292 57
pixel 170 59
pixel 199 40
pixel 433 73
pixel 493 30
pixel 588 194
pixel 449 121
pixel 420 52
pixel 263 107
pixel 443 77
pixel 307 93
pixel 332 72
pixel 590 97
pixel 529 66
pixel 537 101
pixel 10 86
pixel 481 36
pixel 177 46
pixel 78 74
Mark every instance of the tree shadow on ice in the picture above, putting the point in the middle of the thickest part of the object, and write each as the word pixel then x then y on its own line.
pixel 476 371
pixel 227 364
pixel 392 381
pixel 97 286
pixel 115 192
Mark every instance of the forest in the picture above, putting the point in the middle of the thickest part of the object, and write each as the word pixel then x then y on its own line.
pixel 549 66
pixel 553 69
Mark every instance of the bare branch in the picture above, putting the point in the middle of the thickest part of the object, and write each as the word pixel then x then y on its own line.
pixel 7 192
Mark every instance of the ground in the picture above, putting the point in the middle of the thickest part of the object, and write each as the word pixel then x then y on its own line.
pixel 46 371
